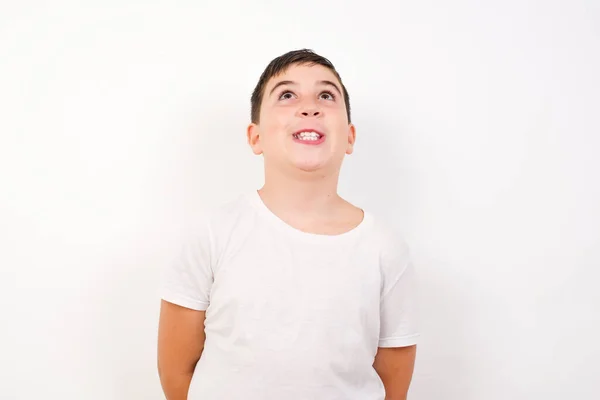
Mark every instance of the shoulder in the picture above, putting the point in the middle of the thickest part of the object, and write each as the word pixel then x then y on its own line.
pixel 393 252
pixel 390 236
pixel 221 216
pixel 216 226
pixel 390 242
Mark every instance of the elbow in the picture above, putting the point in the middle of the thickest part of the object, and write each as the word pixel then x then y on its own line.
pixel 168 364
pixel 166 371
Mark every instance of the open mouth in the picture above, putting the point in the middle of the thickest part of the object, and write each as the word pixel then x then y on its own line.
pixel 308 136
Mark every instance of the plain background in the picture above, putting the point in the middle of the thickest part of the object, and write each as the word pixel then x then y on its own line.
pixel 478 137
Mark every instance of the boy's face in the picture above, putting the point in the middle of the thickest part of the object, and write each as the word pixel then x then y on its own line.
pixel 303 121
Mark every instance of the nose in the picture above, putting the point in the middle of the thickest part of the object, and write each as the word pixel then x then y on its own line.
pixel 309 109
pixel 313 112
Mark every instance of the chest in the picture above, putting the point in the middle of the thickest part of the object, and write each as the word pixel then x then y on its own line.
pixel 278 283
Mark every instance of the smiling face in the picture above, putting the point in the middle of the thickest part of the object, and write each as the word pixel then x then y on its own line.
pixel 303 122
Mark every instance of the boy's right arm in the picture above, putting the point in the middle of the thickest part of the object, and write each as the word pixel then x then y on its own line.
pixel 180 344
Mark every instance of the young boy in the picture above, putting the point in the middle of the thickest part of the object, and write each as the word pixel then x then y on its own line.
pixel 290 292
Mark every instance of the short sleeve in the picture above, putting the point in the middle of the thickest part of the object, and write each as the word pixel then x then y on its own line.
pixel 188 279
pixel 398 319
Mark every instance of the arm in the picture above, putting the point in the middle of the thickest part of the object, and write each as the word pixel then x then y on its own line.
pixel 396 353
pixel 180 344
pixel 395 367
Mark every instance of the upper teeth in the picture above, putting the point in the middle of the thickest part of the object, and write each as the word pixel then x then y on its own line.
pixel 308 135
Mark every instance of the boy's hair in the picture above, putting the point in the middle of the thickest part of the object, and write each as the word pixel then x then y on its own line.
pixel 279 65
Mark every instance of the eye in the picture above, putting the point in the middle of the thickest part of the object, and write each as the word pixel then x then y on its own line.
pixel 286 95
pixel 327 95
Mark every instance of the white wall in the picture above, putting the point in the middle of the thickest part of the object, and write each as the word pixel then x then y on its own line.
pixel 478 134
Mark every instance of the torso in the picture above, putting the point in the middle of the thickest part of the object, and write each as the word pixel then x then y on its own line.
pixel 292 315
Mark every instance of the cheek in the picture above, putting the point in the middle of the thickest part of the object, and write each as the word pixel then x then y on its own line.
pixel 274 116
pixel 277 127
pixel 274 135
pixel 337 121
pixel 281 119
pixel 342 131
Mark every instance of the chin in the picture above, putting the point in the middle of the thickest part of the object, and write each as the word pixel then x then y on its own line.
pixel 309 166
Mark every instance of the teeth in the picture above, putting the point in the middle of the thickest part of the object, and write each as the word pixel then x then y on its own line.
pixel 308 136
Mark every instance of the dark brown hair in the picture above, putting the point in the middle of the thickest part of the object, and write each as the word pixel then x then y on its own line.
pixel 283 62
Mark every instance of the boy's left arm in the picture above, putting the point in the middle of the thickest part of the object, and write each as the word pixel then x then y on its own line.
pixel 395 367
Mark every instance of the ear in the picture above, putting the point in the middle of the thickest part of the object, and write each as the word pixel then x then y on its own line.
pixel 351 138
pixel 253 137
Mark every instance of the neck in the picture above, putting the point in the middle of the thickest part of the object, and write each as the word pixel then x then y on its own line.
pixel 304 192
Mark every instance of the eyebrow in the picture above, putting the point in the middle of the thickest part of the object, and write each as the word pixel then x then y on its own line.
pixel 324 82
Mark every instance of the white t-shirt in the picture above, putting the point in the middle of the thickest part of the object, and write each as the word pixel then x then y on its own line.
pixel 289 314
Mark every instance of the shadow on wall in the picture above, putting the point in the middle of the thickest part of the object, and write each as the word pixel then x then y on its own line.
pixel 122 325
pixel 444 368
pixel 375 175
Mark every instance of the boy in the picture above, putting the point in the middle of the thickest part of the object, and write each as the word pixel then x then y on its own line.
pixel 290 292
